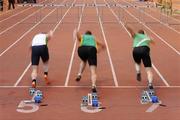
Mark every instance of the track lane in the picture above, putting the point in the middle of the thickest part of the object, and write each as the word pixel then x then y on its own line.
pixel 60 49
pixel 21 55
pixel 121 53
pixel 15 12
pixel 66 106
pixel 21 29
pixel 104 73
pixel 160 58
pixel 158 28
pixel 123 103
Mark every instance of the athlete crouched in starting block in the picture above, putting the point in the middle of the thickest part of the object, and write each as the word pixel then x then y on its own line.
pixel 141 51
pixel 87 51
pixel 40 50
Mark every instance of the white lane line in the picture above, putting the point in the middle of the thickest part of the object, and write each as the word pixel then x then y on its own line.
pixel 20 21
pixel 20 78
pixel 73 52
pixel 120 22
pixel 106 87
pixel 172 18
pixel 26 33
pixel 153 107
pixel 22 75
pixel 156 19
pixel 160 75
pixel 8 11
pixel 153 32
pixel 17 13
pixel 107 47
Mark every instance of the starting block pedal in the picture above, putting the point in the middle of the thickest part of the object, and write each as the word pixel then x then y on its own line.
pixel 37 95
pixel 91 103
pixel 32 91
pixel 149 96
pixel 90 100
pixel 37 99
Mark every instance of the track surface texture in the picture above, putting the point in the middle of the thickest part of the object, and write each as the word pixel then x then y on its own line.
pixel 117 87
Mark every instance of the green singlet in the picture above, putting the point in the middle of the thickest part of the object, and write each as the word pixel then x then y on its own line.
pixel 88 40
pixel 141 40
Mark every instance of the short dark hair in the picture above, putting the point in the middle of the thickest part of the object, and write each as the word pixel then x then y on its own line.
pixel 141 31
pixel 88 32
pixel 44 32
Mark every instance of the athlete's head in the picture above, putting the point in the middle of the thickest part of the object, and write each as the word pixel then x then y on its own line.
pixel 43 32
pixel 141 31
pixel 88 32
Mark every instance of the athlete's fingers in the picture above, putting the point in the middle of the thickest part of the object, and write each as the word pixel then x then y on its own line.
pixel 51 33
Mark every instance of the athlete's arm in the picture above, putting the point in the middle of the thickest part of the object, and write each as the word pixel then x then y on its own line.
pixel 100 44
pixel 130 31
pixel 152 40
pixel 49 35
pixel 78 35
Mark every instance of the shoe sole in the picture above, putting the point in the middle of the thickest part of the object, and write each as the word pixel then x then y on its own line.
pixel 78 78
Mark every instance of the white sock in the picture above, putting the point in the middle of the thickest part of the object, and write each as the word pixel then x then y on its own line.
pixel 149 75
pixel 138 68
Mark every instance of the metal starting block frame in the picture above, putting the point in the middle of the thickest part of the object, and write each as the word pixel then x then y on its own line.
pixel 146 96
pixel 90 100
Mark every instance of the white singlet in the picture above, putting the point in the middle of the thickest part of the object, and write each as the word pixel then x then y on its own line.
pixel 39 39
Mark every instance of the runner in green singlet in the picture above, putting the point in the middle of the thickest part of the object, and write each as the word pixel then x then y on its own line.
pixel 141 51
pixel 87 51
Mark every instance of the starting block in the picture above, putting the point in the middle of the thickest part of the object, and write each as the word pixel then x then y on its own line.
pixel 148 96
pixel 32 91
pixel 37 95
pixel 90 100
pixel 91 103
pixel 37 99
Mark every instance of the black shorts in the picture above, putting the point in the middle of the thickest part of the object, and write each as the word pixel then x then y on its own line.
pixel 39 52
pixel 88 53
pixel 142 52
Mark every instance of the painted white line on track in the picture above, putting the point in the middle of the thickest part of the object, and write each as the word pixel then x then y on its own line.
pixel 8 12
pixel 17 82
pixel 20 78
pixel 107 47
pixel 20 21
pixel 156 19
pixel 73 52
pixel 153 107
pixel 17 13
pixel 26 33
pixel 153 32
pixel 104 87
pixel 160 75
pixel 14 15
